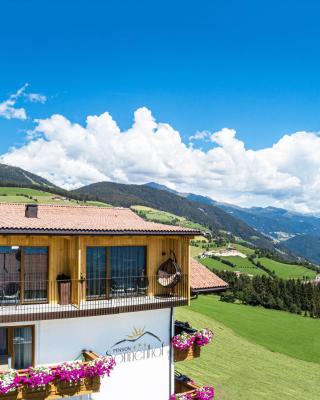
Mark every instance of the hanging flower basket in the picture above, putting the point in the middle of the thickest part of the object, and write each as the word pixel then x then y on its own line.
pixel 192 352
pixel 188 345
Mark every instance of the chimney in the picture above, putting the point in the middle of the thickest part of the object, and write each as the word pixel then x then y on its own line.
pixel 31 211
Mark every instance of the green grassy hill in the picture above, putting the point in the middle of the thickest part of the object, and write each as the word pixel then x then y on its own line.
pixel 164 217
pixel 243 265
pixel 287 271
pixel 26 195
pixel 257 354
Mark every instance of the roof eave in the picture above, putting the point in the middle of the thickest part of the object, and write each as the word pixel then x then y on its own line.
pixel 210 290
pixel 75 232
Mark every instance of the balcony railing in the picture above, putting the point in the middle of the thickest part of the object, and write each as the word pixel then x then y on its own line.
pixel 40 300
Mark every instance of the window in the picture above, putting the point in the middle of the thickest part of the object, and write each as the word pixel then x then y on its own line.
pixel 127 268
pixel 9 264
pixel 17 346
pixel 3 341
pixel 35 269
pixel 10 275
pixel 96 271
pixel 23 277
pixel 116 271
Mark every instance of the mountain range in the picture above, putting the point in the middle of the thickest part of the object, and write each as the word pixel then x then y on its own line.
pixel 299 233
pixel 271 228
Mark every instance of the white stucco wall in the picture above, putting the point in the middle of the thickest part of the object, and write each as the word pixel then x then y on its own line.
pixel 143 375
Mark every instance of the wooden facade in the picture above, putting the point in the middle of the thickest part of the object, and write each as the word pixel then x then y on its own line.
pixel 67 255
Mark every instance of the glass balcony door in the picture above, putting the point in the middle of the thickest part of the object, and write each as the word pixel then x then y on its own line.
pixel 10 275
pixel 127 270
pixel 16 347
pixel 115 271
pixel 22 347
pixel 35 274
pixel 4 351
pixel 23 274
pixel 96 272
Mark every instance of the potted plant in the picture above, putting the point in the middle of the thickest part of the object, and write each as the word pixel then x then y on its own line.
pixel 64 285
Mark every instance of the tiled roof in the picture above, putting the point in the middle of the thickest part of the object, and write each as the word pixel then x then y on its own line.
pixel 202 279
pixel 81 219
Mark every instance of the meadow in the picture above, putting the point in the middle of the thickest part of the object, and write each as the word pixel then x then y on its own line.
pixel 26 195
pixel 164 217
pixel 287 271
pixel 242 264
pixel 257 354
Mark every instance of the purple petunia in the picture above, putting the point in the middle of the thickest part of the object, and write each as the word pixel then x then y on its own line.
pixel 39 377
pixel 184 340
pixel 203 393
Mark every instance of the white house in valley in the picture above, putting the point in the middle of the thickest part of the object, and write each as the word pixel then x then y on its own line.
pixel 77 283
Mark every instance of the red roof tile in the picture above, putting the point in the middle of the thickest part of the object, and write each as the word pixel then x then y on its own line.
pixel 202 279
pixel 81 219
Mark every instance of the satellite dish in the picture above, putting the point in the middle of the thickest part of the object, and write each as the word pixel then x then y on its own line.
pixel 169 273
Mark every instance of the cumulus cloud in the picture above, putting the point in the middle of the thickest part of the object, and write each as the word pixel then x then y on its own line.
pixel 8 108
pixel 286 174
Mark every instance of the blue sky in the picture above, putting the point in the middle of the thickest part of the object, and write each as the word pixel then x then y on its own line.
pixel 251 66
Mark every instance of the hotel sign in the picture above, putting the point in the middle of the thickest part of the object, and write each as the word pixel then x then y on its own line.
pixel 139 345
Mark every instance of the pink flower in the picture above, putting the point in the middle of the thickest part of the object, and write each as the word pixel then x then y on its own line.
pixel 203 393
pixel 184 340
pixel 39 377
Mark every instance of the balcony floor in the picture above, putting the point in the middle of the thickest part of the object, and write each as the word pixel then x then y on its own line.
pixel 39 311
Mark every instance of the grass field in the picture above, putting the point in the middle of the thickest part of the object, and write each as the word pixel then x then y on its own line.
pixel 243 249
pixel 257 354
pixel 245 266
pixel 164 217
pixel 287 271
pixel 282 270
pixel 242 264
pixel 26 195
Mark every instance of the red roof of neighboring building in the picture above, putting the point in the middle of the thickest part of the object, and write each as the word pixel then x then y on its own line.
pixel 57 219
pixel 202 279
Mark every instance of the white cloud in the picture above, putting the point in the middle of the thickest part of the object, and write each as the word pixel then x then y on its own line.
pixel 199 135
pixel 36 98
pixel 8 109
pixel 69 154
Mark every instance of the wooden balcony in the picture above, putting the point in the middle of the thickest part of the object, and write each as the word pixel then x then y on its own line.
pixel 58 389
pixel 84 298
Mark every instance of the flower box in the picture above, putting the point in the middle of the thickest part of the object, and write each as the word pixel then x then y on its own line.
pixel 186 389
pixel 85 386
pixel 69 379
pixel 187 342
pixel 9 396
pixel 36 393
pixel 189 354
